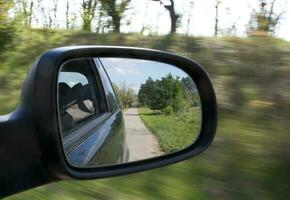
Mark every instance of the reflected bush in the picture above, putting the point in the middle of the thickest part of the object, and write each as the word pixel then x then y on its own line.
pixel 168 110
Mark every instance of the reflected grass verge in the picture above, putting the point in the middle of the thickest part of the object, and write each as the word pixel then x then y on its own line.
pixel 174 132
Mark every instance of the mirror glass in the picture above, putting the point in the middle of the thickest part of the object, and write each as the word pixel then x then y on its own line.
pixel 118 110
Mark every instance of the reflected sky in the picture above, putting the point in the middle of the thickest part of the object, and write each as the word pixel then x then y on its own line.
pixel 134 72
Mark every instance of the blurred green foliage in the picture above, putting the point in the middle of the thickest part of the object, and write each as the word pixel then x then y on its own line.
pixel 249 158
pixel 6 25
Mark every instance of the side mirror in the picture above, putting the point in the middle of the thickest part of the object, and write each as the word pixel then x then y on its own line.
pixel 75 121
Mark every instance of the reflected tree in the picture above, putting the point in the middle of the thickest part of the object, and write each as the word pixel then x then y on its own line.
pixel 125 95
pixel 166 93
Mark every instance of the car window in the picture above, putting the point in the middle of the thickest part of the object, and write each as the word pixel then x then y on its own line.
pixel 79 95
pixel 114 105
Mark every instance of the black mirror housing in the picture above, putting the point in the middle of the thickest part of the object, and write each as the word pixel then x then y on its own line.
pixel 36 118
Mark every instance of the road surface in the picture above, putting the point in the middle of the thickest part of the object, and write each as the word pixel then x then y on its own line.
pixel 141 142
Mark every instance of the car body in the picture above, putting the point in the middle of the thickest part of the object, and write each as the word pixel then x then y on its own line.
pixel 90 114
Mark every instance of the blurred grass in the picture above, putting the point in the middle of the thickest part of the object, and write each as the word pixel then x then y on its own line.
pixel 249 158
pixel 174 132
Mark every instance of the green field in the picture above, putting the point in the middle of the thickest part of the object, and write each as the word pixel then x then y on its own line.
pixel 174 132
pixel 249 158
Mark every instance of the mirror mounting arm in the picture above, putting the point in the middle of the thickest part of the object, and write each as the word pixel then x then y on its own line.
pixel 21 166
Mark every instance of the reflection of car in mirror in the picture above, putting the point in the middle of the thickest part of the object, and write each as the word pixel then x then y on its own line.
pixel 83 102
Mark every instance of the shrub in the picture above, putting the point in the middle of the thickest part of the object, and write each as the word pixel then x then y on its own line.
pixel 168 110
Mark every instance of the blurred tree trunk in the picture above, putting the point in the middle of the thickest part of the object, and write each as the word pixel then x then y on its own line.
pixel 115 9
pixel 26 11
pixel 99 24
pixel 116 23
pixel 173 15
pixel 45 22
pixel 67 21
pixel 189 17
pixel 88 13
pixel 144 18
pixel 52 18
pixel 216 27
pixel 55 4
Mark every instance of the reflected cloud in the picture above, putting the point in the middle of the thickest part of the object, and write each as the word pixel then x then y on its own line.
pixel 123 70
pixel 123 67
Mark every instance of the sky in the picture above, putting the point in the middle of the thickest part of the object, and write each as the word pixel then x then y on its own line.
pixel 201 14
pixel 134 72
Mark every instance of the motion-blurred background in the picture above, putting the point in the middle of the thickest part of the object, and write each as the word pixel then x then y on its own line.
pixel 242 44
